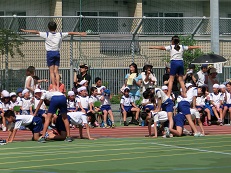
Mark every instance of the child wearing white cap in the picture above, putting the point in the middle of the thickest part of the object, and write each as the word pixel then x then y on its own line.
pixel 216 102
pixel 42 109
pixel 71 102
pixel 26 104
pixel 83 99
pixel 227 102
pixel 13 101
pixel 165 89
pixel 4 106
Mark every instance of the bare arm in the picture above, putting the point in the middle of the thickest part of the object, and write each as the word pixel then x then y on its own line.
pixel 77 33
pixel 38 107
pixel 193 47
pixel 12 135
pixel 30 31
pixel 28 84
pixel 157 47
pixel 88 132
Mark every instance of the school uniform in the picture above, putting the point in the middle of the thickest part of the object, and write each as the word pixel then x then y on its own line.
pixel 216 98
pixel 84 101
pixel 105 103
pixel 126 102
pixel 167 103
pixel 179 119
pixel 4 106
pixel 71 105
pixel 74 118
pixel 25 104
pixel 149 106
pixel 228 100
pixel 34 123
pixel 42 109
pixel 57 101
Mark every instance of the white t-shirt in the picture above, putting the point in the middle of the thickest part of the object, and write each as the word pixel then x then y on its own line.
pixel 160 94
pixel 200 101
pixel 161 116
pixel 13 104
pixel 216 98
pixel 23 120
pixel 146 101
pixel 190 94
pixel 49 94
pixel 84 101
pixel 228 98
pixel 53 40
pixel 105 101
pixel 174 54
pixel 4 106
pixel 194 113
pixel 93 99
pixel 77 118
pixel 148 84
pixel 201 78
pixel 26 104
pixel 71 104
pixel 31 84
pixel 126 101
pixel 36 102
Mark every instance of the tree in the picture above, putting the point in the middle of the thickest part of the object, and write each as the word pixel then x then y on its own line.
pixel 10 43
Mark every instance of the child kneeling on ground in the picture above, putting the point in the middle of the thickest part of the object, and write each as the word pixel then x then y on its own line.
pixel 34 123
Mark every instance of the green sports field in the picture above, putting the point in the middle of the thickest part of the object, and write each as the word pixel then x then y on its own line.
pixel 210 154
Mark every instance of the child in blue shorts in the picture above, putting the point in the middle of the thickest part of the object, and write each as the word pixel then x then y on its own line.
pixel 52 44
pixel 34 123
pixel 177 65
pixel 179 120
pixel 55 100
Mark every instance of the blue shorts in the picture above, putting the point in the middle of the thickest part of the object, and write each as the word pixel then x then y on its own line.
pixel 150 107
pixel 105 107
pixel 58 102
pixel 53 58
pixel 179 120
pixel 184 107
pixel 36 125
pixel 71 109
pixel 167 105
pixel 177 67
pixel 227 105
pixel 200 107
pixel 40 113
pixel 128 108
pixel 59 125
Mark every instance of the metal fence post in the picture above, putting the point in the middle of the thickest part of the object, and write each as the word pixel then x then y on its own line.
pixel 71 63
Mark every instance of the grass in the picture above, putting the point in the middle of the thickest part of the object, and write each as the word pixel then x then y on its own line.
pixel 210 154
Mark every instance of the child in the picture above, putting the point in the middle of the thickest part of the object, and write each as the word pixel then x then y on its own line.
pixel 37 82
pixel 165 89
pixel 95 109
pixel 106 107
pixel 26 104
pixel 159 117
pixel 71 103
pixel 52 44
pixel 29 83
pixel 227 100
pixel 216 101
pixel 55 100
pixel 4 106
pixel 148 102
pixel 42 109
pixel 177 65
pixel 13 101
pixel 83 99
pixel 127 105
pixel 179 120
pixel 19 94
pixel 34 123
pixel 75 118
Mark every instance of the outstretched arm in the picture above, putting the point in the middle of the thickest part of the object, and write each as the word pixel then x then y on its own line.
pixel 77 33
pixel 157 47
pixel 194 47
pixel 30 31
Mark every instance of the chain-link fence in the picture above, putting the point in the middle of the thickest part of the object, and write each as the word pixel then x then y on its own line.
pixel 111 43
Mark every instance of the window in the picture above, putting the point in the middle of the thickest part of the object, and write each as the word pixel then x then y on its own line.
pixel 99 25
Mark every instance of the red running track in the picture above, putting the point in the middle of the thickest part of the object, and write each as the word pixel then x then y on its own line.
pixel 119 132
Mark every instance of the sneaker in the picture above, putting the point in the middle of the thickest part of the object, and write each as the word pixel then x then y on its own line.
pixel 209 123
pixel 164 136
pixel 221 124
pixel 113 125
pixel 198 134
pixel 42 140
pixel 201 135
pixel 46 135
pixel 186 132
pixel 68 139
pixel 2 142
pixel 167 132
pixel 106 126
pixel 125 123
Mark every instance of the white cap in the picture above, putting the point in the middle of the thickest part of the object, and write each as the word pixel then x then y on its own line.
pixel 190 71
pixel 70 93
pixel 12 94
pixel 188 85
pixel 82 82
pixel 25 91
pixel 216 85
pixel 82 88
pixel 37 90
pixel 102 87
pixel 43 91
pixel 127 88
pixel 222 86
pixel 5 93
pixel 164 87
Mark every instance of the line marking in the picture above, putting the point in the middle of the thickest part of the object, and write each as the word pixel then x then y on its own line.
pixel 194 149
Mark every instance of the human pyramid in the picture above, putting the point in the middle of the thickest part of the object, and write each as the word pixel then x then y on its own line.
pixel 40 110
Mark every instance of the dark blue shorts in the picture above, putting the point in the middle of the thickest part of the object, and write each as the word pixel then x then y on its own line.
pixel 179 120
pixel 177 67
pixel 36 125
pixel 227 105
pixel 105 107
pixel 40 113
pixel 200 107
pixel 184 107
pixel 58 102
pixel 53 58
pixel 128 108
pixel 150 107
pixel 59 125
pixel 71 109
pixel 167 105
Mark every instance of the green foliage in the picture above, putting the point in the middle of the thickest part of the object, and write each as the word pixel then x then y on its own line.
pixel 10 42
pixel 190 55
pixel 116 99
